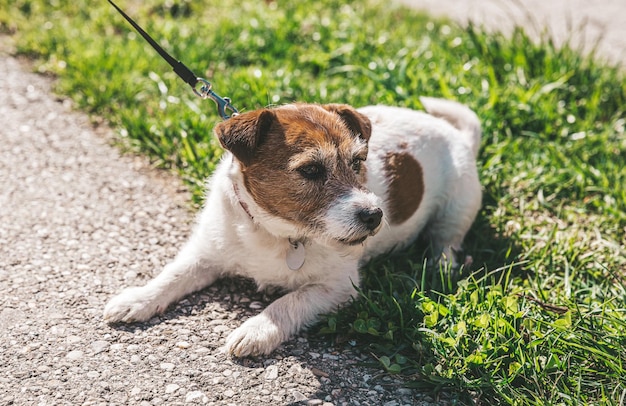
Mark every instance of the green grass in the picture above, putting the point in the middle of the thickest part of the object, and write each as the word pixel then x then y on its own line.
pixel 540 316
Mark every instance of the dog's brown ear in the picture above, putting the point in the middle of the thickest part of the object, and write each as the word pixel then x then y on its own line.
pixel 242 134
pixel 356 122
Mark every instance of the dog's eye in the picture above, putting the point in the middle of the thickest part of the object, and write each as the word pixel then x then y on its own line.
pixel 312 171
pixel 356 165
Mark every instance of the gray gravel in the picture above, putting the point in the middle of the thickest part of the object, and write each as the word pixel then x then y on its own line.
pixel 78 222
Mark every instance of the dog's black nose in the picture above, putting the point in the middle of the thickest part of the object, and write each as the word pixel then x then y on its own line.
pixel 371 217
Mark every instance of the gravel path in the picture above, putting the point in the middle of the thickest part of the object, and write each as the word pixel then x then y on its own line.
pixel 78 222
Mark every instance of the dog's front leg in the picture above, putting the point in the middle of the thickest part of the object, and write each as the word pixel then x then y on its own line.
pixel 188 273
pixel 261 334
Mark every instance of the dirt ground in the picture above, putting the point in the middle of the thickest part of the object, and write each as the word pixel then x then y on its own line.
pixel 78 222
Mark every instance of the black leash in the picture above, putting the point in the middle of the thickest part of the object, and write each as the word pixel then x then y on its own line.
pixel 205 91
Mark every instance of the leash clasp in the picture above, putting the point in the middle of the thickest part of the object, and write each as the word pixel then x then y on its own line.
pixel 203 89
pixel 223 105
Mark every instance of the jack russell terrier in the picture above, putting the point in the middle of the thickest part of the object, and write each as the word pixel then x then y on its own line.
pixel 307 193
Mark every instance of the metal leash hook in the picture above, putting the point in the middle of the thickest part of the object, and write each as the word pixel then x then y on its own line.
pixel 223 104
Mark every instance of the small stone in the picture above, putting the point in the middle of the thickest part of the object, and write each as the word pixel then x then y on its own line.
pixel 167 366
pixel 298 396
pixel 74 339
pixel 75 355
pixel 229 393
pixel 183 344
pixel 221 328
pixel 171 388
pixel 295 369
pixel 196 396
pixel 100 346
pixel 56 316
pixel 319 372
pixel 271 373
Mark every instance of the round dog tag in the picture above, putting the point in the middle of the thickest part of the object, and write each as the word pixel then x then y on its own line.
pixel 295 255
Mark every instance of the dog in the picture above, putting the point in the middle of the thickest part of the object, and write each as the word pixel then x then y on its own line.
pixel 305 194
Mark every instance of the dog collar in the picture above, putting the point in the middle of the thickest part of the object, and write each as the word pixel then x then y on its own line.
pixel 243 204
pixel 296 253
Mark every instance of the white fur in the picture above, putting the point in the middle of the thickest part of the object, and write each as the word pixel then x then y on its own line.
pixel 228 240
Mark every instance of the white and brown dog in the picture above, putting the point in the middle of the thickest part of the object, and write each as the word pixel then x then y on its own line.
pixel 295 204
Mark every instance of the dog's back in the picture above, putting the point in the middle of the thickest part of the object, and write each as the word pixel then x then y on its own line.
pixel 459 115
pixel 423 166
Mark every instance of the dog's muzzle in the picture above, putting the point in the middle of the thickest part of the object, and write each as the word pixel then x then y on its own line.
pixel 354 217
pixel 369 222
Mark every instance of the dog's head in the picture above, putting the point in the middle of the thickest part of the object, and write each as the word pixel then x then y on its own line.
pixel 303 164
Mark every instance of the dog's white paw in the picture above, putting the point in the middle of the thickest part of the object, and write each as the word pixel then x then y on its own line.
pixel 257 336
pixel 133 304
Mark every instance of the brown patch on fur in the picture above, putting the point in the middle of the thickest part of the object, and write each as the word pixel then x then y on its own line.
pixel 273 145
pixel 406 186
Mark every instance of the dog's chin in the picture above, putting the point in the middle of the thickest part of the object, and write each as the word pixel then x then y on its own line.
pixel 357 239
pixel 354 241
